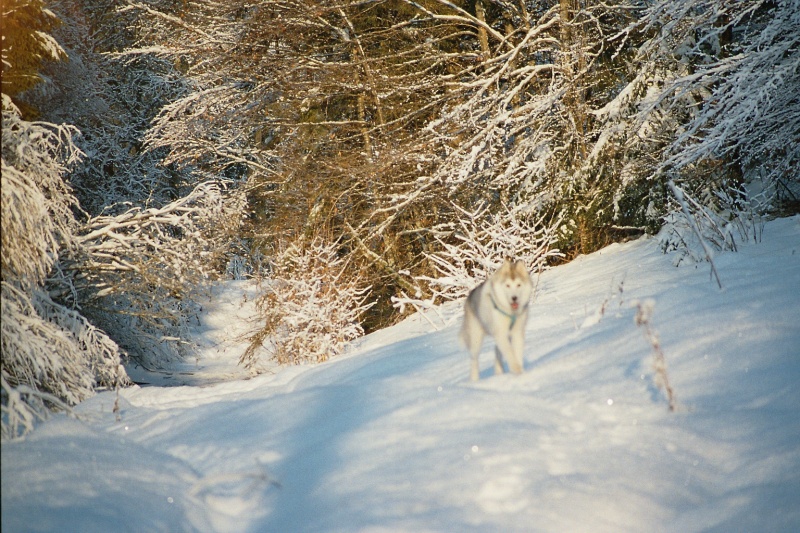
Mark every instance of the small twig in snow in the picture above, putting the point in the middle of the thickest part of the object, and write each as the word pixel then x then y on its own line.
pixel 644 311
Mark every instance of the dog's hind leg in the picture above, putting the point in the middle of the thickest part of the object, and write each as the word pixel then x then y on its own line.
pixel 474 344
pixel 472 336
pixel 475 369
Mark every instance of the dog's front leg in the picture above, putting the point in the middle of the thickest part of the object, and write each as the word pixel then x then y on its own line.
pixel 517 341
pixel 498 361
pixel 505 350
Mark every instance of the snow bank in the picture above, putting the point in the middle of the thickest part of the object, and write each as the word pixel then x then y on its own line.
pixel 394 436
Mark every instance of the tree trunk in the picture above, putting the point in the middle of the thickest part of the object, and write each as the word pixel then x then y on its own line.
pixel 483 37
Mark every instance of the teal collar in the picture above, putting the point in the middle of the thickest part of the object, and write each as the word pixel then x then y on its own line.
pixel 512 316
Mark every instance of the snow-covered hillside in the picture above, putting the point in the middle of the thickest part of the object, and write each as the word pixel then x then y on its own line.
pixel 394 436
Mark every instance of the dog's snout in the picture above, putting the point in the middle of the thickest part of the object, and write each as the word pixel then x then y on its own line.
pixel 513 298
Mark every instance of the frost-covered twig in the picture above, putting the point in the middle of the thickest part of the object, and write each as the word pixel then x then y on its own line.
pixel 137 271
pixel 52 358
pixel 37 217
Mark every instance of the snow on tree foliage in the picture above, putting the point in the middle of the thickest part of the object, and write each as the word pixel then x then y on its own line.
pixel 37 204
pixel 742 68
pixel 475 247
pixel 52 356
pixel 527 128
pixel 112 103
pixel 154 233
pixel 732 107
pixel 311 306
pixel 139 272
pixel 371 123
pixel 127 270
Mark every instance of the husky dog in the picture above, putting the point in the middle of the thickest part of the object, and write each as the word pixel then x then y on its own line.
pixel 498 307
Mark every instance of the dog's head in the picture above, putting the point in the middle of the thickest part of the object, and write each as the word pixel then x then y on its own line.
pixel 512 285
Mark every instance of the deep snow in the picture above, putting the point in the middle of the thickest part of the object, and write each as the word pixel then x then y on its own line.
pixel 394 437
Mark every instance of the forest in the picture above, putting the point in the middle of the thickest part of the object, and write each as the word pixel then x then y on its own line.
pixel 361 159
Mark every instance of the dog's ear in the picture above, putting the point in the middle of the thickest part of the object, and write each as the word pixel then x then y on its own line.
pixel 505 268
pixel 519 268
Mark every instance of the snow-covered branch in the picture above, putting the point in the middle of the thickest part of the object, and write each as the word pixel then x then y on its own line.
pixel 52 356
pixel 37 218
pixel 476 246
pixel 745 71
pixel 138 271
pixel 311 307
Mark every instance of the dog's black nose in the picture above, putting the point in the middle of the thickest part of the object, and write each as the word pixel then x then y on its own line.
pixel 513 298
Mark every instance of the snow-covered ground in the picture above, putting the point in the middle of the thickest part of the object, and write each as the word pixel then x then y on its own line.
pixel 394 437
